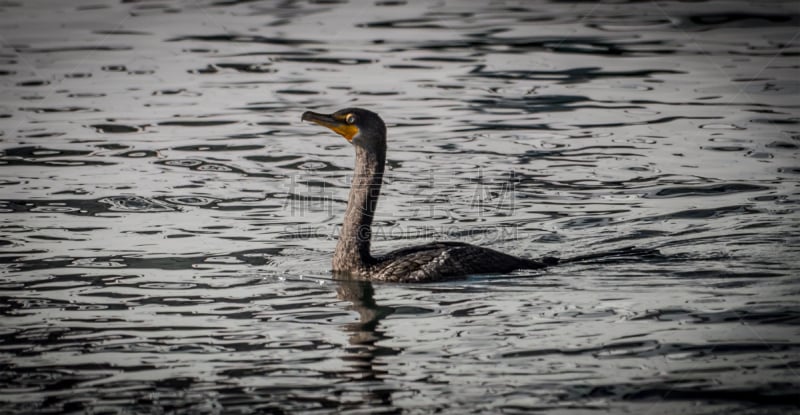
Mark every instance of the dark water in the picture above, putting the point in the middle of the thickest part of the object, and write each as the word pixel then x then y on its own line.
pixel 168 222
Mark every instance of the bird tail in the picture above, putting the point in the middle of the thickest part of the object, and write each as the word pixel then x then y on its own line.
pixel 621 254
pixel 545 262
pixel 629 253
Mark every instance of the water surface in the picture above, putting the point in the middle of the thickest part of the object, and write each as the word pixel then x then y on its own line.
pixel 167 221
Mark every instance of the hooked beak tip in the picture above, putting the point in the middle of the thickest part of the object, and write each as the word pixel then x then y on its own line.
pixel 322 119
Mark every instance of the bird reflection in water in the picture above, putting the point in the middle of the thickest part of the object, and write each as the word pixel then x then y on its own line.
pixel 364 340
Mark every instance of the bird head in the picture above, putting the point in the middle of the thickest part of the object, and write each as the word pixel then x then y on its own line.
pixel 358 126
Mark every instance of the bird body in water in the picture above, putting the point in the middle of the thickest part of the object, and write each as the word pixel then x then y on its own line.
pixel 437 261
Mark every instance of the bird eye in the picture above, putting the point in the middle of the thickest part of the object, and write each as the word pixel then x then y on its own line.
pixel 351 119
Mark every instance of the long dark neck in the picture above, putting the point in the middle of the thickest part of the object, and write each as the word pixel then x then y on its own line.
pixel 352 250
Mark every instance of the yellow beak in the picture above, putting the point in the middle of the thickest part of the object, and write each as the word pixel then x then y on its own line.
pixel 338 125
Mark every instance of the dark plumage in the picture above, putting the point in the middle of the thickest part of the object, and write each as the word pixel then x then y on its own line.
pixel 440 261
pixel 436 261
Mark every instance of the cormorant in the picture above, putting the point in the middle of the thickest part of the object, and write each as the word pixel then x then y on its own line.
pixel 437 261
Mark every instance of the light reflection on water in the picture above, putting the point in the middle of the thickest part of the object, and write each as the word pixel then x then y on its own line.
pixel 167 221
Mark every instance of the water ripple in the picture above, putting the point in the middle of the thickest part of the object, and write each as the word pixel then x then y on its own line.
pixel 168 221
